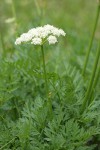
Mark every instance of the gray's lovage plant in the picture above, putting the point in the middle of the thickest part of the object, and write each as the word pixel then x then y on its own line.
pixel 38 36
pixel 42 109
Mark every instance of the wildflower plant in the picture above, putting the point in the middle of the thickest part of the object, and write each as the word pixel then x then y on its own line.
pixel 39 36
pixel 56 107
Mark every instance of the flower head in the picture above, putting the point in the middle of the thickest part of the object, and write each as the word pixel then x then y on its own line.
pixel 36 41
pixel 39 35
pixel 52 39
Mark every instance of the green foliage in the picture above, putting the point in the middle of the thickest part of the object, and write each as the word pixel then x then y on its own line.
pixel 25 119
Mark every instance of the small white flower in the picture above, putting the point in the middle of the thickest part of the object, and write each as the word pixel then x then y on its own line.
pixel 52 39
pixel 39 35
pixel 18 41
pixel 26 37
pixel 62 32
pixel 37 41
pixel 33 32
pixel 48 27
pixel 55 32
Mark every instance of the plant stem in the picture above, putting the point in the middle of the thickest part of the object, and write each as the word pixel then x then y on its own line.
pixel 86 100
pixel 91 40
pixel 14 13
pixel 13 10
pixel 95 83
pixel 17 108
pixel 46 83
pixel 44 69
pixel 38 7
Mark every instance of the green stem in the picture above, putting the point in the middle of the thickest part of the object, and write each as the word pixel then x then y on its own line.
pixel 91 40
pixel 56 91
pixel 17 108
pixel 86 100
pixel 44 69
pixel 40 11
pixel 97 77
pixel 95 84
pixel 38 7
pixel 14 13
pixel 46 83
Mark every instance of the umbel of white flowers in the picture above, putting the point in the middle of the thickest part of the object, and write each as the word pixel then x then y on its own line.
pixel 40 35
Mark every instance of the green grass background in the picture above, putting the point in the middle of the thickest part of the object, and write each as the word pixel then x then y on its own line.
pixel 76 17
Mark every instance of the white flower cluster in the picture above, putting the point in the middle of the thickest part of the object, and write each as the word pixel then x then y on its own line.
pixel 39 35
